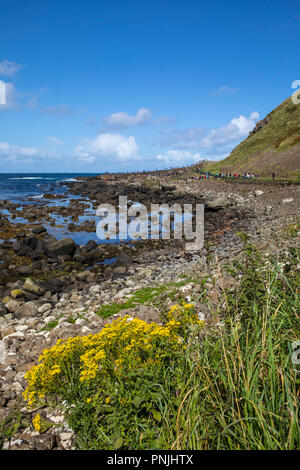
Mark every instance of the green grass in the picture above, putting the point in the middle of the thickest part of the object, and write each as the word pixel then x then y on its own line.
pixel 12 424
pixel 71 319
pixel 51 325
pixel 145 295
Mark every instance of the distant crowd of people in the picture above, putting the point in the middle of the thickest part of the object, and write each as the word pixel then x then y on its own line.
pixel 208 174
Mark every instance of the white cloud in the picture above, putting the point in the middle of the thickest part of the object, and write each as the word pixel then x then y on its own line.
pixel 13 152
pixel 179 157
pixel 122 120
pixel 197 138
pixel 224 90
pixel 214 144
pixel 8 69
pixel 55 140
pixel 238 128
pixel 113 146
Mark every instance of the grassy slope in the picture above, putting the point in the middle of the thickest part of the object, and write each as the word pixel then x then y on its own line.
pixel 276 146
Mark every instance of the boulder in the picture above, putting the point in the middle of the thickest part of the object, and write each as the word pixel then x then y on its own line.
pixel 124 260
pixel 25 270
pixel 39 230
pixel 66 246
pixel 13 306
pixel 42 442
pixel 217 204
pixel 33 287
pixel 91 245
pixel 29 309
pixel 17 294
pixel 45 308
pixel 31 242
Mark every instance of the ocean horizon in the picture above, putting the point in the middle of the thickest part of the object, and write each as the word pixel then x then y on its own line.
pixel 18 187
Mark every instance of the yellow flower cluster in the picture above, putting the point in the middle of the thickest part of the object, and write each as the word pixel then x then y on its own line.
pixel 40 424
pixel 37 421
pixel 121 345
pixel 184 316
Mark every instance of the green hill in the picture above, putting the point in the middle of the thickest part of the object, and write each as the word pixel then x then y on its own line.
pixel 272 146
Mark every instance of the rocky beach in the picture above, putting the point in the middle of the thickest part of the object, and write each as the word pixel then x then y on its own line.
pixel 54 287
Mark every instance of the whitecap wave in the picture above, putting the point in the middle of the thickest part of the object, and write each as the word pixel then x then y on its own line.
pixel 28 178
pixel 39 196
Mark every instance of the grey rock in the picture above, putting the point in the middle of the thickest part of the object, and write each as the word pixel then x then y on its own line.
pixel 25 270
pixel 29 309
pixel 13 306
pixel 39 230
pixel 66 246
pixel 44 308
pixel 43 442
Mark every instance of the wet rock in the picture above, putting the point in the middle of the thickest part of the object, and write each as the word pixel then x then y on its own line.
pixel 24 251
pixel 30 242
pixel 39 230
pixel 66 246
pixel 91 245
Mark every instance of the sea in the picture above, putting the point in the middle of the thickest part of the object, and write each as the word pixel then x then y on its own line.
pixel 25 188
pixel 18 187
pixel 30 188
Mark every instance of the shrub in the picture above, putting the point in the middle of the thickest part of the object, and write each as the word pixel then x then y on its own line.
pixel 233 386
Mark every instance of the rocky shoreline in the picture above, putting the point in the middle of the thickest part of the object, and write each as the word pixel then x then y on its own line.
pixel 51 289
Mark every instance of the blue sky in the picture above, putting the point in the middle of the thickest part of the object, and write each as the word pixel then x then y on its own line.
pixel 122 85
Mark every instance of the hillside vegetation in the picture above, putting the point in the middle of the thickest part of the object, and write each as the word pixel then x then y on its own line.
pixel 273 146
